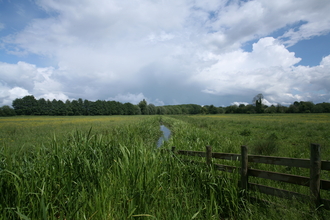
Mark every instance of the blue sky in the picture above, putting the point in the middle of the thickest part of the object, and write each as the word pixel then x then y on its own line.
pixel 168 52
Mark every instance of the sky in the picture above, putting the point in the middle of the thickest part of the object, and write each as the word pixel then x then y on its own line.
pixel 168 52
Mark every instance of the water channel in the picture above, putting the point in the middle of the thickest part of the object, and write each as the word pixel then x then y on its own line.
pixel 164 137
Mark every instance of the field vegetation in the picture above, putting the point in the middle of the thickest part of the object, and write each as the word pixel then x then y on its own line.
pixel 109 167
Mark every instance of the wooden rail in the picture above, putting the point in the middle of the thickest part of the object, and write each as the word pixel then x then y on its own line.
pixel 314 164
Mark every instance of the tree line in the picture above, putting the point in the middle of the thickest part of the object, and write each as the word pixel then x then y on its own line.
pixel 29 105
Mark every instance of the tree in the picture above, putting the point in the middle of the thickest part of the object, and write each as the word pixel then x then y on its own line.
pixel 129 109
pixel 161 110
pixel 7 111
pixel 212 109
pixel 151 109
pixel 26 105
pixel 258 102
pixel 144 107
pixel 42 107
pixel 68 107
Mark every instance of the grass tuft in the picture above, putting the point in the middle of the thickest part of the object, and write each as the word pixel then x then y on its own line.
pixel 268 146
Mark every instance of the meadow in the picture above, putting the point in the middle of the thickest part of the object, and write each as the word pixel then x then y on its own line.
pixel 108 167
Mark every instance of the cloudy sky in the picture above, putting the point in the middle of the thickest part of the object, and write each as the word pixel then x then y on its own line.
pixel 218 52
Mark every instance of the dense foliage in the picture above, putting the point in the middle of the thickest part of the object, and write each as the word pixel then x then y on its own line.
pixel 29 105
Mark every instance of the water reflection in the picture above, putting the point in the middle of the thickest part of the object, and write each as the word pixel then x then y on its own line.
pixel 165 136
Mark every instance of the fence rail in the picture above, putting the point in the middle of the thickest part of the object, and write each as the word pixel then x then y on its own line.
pixel 314 164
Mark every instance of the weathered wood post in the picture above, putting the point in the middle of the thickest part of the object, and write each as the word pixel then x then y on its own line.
pixel 208 155
pixel 244 169
pixel 315 171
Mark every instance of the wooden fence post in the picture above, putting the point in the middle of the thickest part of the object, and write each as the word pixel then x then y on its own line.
pixel 209 155
pixel 244 168
pixel 315 171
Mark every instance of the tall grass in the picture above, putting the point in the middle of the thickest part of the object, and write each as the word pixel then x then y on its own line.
pixel 276 135
pixel 111 173
pixel 108 168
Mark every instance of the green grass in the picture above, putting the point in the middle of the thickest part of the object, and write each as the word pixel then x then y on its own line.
pixel 272 135
pixel 110 168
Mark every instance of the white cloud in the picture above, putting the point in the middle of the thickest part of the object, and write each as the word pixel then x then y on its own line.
pixel 135 99
pixel 325 62
pixel 268 69
pixel 169 51
pixel 23 79
pixel 7 94
pixel 51 96
pixel 239 103
pixel 132 98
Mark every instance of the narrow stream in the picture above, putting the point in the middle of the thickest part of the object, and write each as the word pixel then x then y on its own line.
pixel 164 137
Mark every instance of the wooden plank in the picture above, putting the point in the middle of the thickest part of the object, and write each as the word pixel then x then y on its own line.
pixel 277 192
pixel 208 155
pixel 325 165
pixel 294 179
pixel 325 184
pixel 225 168
pixel 315 173
pixel 244 168
pixel 284 161
pixel 226 156
pixel 191 153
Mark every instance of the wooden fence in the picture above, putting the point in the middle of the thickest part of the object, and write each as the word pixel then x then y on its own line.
pixel 314 164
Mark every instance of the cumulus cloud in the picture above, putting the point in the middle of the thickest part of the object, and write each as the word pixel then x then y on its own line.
pixel 7 95
pixel 21 79
pixel 57 96
pixel 132 98
pixel 135 99
pixel 168 52
pixel 239 103
pixel 268 69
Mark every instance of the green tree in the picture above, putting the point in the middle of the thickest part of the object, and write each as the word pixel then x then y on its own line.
pixel 231 109
pixel 144 107
pixel 212 109
pixel 43 108
pixel 6 111
pixel 151 109
pixel 161 110
pixel 129 109
pixel 86 107
pixel 258 102
pixel 26 105
pixel 68 107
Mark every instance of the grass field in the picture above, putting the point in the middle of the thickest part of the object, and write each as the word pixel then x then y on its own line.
pixel 108 167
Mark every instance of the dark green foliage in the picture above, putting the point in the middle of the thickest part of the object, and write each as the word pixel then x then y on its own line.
pixel 6 111
pixel 257 100
pixel 144 107
pixel 245 132
pixel 28 105
pixel 266 146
